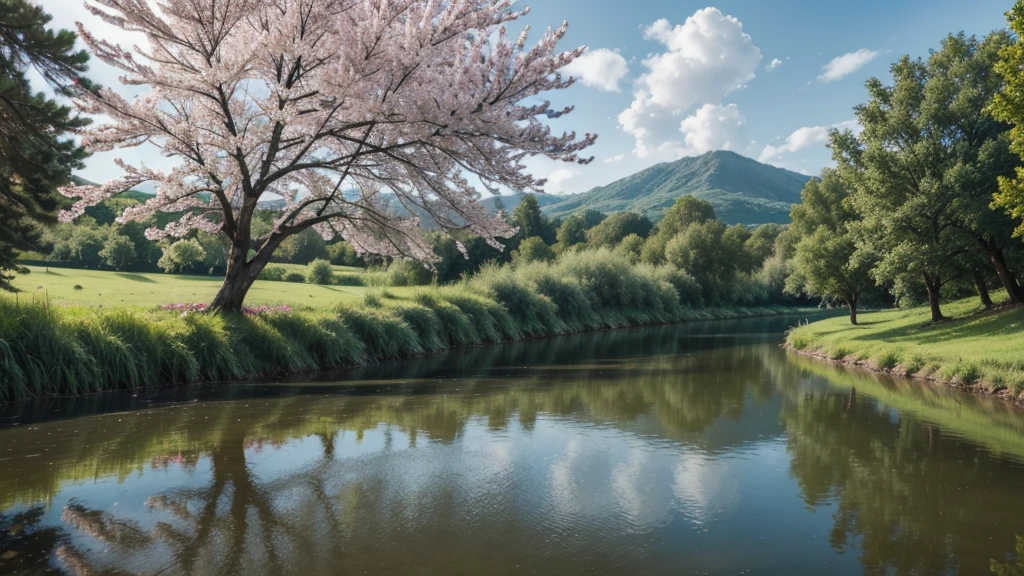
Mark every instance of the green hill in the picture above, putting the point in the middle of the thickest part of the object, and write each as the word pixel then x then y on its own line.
pixel 742 190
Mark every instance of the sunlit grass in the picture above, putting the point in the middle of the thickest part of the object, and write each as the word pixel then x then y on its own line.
pixel 974 348
pixel 117 289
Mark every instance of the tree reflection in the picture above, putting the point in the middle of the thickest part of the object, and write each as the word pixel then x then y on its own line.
pixel 230 520
pixel 910 498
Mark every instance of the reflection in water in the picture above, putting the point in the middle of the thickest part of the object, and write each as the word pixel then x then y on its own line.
pixel 698 448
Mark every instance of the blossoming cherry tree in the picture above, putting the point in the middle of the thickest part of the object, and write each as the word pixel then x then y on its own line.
pixel 346 109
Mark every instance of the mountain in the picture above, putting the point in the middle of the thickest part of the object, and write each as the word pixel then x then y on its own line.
pixel 512 200
pixel 742 190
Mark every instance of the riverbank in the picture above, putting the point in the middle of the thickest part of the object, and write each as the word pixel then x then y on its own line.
pixel 976 349
pixel 48 350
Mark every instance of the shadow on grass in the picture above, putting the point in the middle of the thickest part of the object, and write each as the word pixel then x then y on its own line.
pixel 135 277
pixel 978 325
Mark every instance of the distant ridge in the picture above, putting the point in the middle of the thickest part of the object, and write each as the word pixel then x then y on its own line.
pixel 742 190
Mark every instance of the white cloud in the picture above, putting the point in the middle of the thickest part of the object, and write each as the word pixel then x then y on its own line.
pixel 775 63
pixel 614 159
pixel 558 179
pixel 602 69
pixel 842 66
pixel 802 138
pixel 706 58
pixel 711 127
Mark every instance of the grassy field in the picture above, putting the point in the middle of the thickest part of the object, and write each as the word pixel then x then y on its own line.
pixel 975 347
pixel 127 289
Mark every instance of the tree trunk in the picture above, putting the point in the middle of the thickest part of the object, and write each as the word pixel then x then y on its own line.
pixel 933 286
pixel 851 302
pixel 979 283
pixel 241 275
pixel 1010 284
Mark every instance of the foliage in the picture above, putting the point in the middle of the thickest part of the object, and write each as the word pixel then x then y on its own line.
pixel 530 222
pixel 1008 105
pixel 118 251
pixel 408 273
pixel 183 256
pixel 926 148
pixel 685 211
pixel 825 263
pixel 613 229
pixel 320 272
pixel 702 250
pixel 35 155
pixel 533 249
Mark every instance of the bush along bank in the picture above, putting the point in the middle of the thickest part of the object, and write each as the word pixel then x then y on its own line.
pixel 49 350
pixel 977 349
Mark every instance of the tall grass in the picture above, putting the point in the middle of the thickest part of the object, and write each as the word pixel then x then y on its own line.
pixel 46 350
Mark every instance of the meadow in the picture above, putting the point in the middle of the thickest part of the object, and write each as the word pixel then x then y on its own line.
pixel 99 288
pixel 976 347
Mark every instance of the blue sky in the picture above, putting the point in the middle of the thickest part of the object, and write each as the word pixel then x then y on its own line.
pixel 696 76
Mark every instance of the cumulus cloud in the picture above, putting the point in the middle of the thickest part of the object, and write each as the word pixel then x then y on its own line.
pixel 775 63
pixel 711 127
pixel 614 159
pixel 805 137
pixel 704 59
pixel 558 180
pixel 842 66
pixel 602 69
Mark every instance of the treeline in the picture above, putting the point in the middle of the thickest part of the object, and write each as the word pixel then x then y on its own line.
pixel 97 241
pixel 922 201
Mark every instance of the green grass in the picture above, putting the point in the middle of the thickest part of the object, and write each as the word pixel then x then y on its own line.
pixel 56 340
pixel 103 289
pixel 974 348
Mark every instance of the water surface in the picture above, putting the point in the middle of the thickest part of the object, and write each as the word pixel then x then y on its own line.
pixel 692 449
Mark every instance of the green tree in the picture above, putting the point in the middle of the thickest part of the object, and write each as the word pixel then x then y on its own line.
pixel 531 221
pixel 685 211
pixel 118 250
pixel 701 251
pixel 761 244
pixel 979 145
pixel 631 247
pixel 616 227
pixel 35 158
pixel 342 253
pixel 825 263
pixel 533 249
pixel 302 248
pixel 571 232
pixel 916 156
pixel 1008 105
pixel 183 256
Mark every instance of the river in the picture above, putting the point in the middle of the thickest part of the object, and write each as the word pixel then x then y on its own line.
pixel 693 449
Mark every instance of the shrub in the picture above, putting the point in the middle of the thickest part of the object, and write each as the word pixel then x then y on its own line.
pixel 533 249
pixel 295 277
pixel 408 273
pixel 533 314
pixel 273 273
pixel 320 272
pixel 348 280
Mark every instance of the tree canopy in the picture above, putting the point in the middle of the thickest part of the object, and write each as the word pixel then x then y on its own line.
pixel 340 108
pixel 37 153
